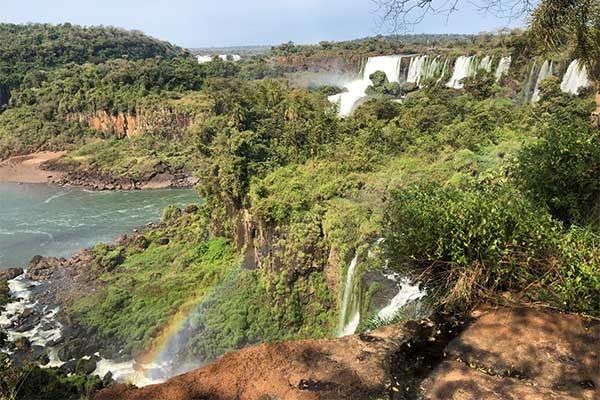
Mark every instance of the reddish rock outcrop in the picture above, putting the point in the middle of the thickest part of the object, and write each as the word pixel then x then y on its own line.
pixel 520 354
pixel 513 354
pixel 352 367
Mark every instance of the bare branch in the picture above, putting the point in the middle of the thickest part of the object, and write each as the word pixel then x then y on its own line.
pixel 400 16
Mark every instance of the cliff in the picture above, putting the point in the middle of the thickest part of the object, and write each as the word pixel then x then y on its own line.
pixel 320 62
pixel 165 122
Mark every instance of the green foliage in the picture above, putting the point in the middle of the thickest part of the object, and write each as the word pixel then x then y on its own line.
pixel 489 239
pixel 481 86
pixel 41 46
pixel 34 383
pixel 382 86
pixel 171 214
pixel 562 170
pixel 151 285
pixel 23 130
pixel 244 311
pixel 257 127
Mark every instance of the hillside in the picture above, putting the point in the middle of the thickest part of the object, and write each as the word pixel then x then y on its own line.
pixel 25 48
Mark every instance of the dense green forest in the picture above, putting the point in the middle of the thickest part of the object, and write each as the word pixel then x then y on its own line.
pixel 476 194
pixel 45 46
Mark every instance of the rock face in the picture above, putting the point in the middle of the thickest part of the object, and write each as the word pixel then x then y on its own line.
pixel 520 354
pixel 523 354
pixel 352 367
pixel 167 122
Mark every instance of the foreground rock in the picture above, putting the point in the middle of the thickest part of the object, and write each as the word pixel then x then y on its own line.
pixel 505 354
pixel 520 354
pixel 352 367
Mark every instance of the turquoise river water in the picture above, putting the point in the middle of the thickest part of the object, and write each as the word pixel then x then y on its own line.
pixel 58 221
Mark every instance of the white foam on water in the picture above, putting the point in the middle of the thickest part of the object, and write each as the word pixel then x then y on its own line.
pixel 575 78
pixel 406 294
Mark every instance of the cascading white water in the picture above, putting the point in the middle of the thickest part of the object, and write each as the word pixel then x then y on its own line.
pixel 576 77
pixel 425 67
pixel 546 71
pixel 406 294
pixel 463 68
pixel 443 70
pixel 415 69
pixel 349 313
pixel 486 64
pixel 503 67
pixel 356 89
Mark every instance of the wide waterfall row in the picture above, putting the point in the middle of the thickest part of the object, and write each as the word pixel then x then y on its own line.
pixel 422 68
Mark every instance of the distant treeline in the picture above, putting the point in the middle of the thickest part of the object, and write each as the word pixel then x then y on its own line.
pixel 43 46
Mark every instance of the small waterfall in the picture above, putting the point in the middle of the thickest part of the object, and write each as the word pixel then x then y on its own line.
pixel 406 294
pixel 576 77
pixel 463 68
pixel 503 67
pixel 350 312
pixel 486 64
pixel 347 101
pixel 529 84
pixel 546 71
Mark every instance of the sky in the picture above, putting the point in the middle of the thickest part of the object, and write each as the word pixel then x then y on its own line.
pixel 203 23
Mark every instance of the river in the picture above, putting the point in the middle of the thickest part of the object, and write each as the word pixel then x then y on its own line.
pixel 58 221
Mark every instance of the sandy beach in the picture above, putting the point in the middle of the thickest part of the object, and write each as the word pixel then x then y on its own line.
pixel 26 169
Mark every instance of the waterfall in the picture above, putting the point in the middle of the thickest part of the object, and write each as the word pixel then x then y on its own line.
pixel 424 67
pixel 406 294
pixel 486 64
pixel 350 312
pixel 545 72
pixel 575 78
pixel 503 67
pixel 415 69
pixel 463 68
pixel 347 101
pixel 529 84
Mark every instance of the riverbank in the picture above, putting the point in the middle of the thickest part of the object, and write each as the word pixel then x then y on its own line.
pixel 29 168
pixel 48 167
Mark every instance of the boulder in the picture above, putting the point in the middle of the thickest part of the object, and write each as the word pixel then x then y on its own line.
pixel 163 241
pixel 10 273
pixel 41 268
pixel 352 367
pixel 141 242
pixel 191 208
pixel 86 366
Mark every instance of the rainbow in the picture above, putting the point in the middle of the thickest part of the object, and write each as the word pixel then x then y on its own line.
pixel 161 346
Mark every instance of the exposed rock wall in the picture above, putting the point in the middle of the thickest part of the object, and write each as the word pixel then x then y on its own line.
pixel 165 122
pixel 321 63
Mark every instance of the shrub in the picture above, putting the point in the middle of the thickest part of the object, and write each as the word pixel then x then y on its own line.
pixel 170 214
pixel 562 171
pixel 468 242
